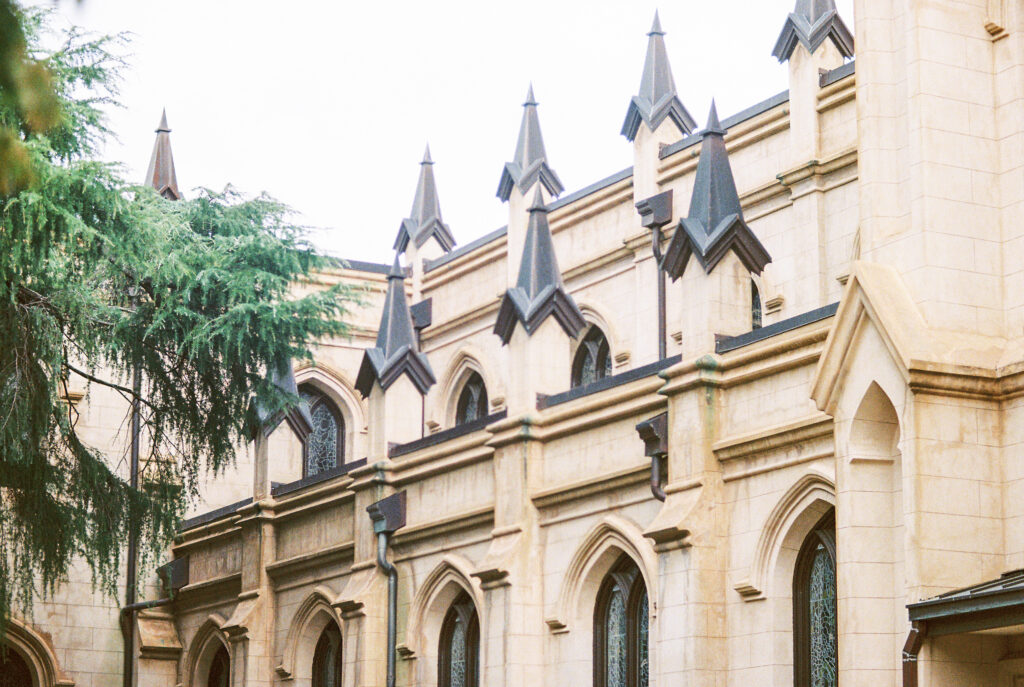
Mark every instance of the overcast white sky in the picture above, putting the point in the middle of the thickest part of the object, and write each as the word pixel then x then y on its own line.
pixel 327 105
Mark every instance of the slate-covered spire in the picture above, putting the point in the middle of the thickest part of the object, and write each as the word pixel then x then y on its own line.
pixel 297 417
pixel 714 224
pixel 530 161
pixel 810 23
pixel 424 220
pixel 160 174
pixel 657 99
pixel 539 290
pixel 396 350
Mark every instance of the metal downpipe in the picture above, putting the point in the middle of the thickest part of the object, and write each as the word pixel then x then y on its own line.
pixel 392 573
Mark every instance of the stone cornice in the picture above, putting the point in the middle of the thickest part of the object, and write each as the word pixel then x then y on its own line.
pixel 599 484
pixel 774 437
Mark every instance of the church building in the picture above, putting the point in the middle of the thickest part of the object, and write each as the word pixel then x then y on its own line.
pixel 748 412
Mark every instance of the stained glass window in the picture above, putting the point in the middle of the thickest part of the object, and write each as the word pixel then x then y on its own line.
pixel 755 306
pixel 220 669
pixel 472 401
pixel 459 655
pixel 621 622
pixel 325 446
pixel 593 359
pixel 815 626
pixel 327 658
pixel 14 671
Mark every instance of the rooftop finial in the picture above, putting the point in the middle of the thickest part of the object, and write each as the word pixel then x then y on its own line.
pixel 714 224
pixel 529 163
pixel 539 290
pixel 657 99
pixel 656 26
pixel 396 350
pixel 810 23
pixel 160 174
pixel 424 219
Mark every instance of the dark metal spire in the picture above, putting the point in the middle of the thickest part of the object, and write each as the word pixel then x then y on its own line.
pixel 424 220
pixel 397 349
pixel 810 23
pixel 297 416
pixel 530 160
pixel 657 99
pixel 714 224
pixel 160 174
pixel 539 290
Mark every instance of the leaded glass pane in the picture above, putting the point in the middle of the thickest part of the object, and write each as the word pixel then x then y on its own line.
pixel 642 667
pixel 823 619
pixel 457 669
pixel 615 641
pixel 322 444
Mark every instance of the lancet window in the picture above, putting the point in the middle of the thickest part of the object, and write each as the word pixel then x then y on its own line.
pixel 815 627
pixel 593 359
pixel 220 669
pixel 325 447
pixel 621 619
pixel 472 403
pixel 327 658
pixel 755 306
pixel 459 655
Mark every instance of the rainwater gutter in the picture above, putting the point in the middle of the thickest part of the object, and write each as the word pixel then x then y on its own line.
pixel 388 516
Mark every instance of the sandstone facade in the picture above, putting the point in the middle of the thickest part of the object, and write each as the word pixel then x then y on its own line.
pixel 878 407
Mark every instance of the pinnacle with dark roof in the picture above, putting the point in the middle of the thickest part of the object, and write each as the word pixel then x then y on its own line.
pixel 810 23
pixel 529 163
pixel 657 99
pixel 160 174
pixel 714 224
pixel 298 417
pixel 424 219
pixel 539 290
pixel 396 351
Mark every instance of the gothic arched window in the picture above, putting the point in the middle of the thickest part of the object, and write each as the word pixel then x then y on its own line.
pixel 327 658
pixel 459 655
pixel 325 447
pixel 815 630
pixel 14 671
pixel 220 669
pixel 472 403
pixel 620 628
pixel 593 359
pixel 755 306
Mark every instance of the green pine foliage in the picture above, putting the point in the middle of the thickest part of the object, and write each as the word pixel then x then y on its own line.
pixel 98 278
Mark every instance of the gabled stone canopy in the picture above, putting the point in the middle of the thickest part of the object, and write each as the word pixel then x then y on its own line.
pixel 539 291
pixel 396 350
pixel 657 99
pixel 530 160
pixel 424 220
pixel 160 174
pixel 810 23
pixel 714 224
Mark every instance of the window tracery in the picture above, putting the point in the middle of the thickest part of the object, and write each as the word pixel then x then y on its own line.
pixel 325 446
pixel 621 619
pixel 327 658
pixel 815 626
pixel 593 359
pixel 459 655
pixel 472 403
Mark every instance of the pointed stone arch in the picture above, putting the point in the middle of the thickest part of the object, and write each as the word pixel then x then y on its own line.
pixel 208 639
pixel 308 622
pixel 783 532
pixel 596 316
pixel 338 388
pixel 35 649
pixel 466 361
pixel 593 559
pixel 429 607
